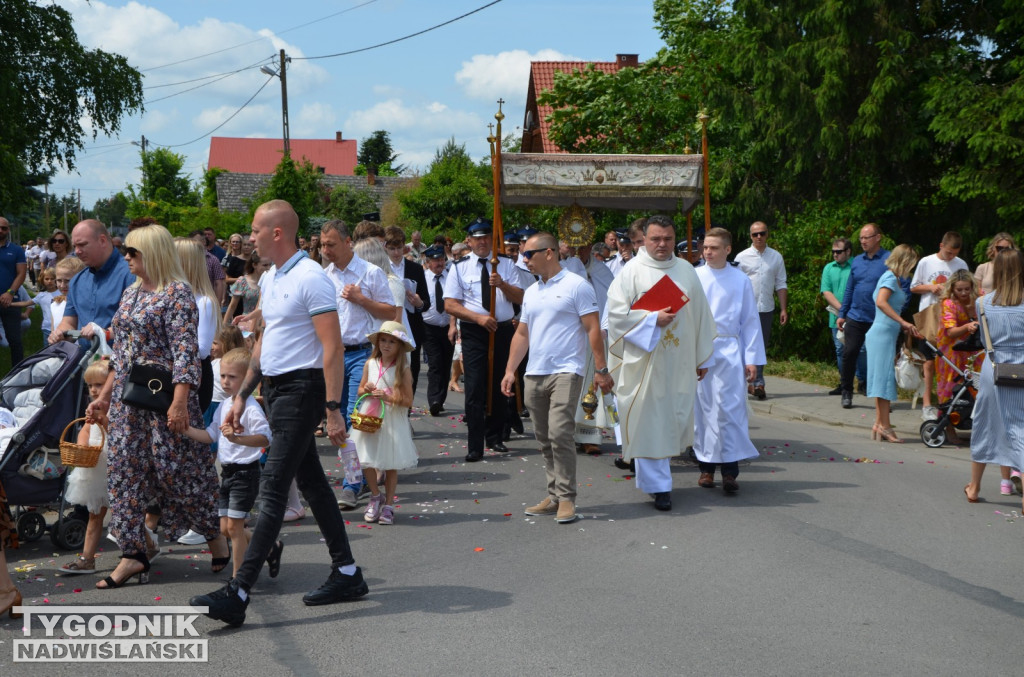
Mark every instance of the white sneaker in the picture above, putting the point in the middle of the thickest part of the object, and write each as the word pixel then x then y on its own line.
pixel 192 538
pixel 929 413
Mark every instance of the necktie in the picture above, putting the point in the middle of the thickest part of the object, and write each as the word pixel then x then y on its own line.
pixel 485 285
pixel 438 295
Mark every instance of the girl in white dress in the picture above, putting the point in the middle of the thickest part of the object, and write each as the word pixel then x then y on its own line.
pixel 88 486
pixel 388 380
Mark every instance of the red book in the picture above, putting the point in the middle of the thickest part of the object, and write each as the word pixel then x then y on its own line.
pixel 664 294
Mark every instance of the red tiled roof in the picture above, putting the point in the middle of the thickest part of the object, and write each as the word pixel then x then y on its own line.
pixel 542 78
pixel 261 156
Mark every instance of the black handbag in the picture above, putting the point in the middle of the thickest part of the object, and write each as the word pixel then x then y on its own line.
pixel 148 385
pixel 1004 374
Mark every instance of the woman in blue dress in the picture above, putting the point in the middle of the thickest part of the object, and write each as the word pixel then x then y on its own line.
pixel 997 435
pixel 890 297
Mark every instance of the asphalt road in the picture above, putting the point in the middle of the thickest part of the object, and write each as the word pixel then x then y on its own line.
pixel 824 563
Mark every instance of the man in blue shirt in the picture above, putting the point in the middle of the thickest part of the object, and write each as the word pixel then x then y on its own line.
pixel 94 294
pixel 858 310
pixel 13 268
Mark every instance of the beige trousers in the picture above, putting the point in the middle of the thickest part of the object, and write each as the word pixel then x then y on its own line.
pixel 552 402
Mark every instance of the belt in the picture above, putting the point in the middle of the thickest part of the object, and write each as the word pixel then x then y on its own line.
pixel 361 346
pixel 231 468
pixel 297 375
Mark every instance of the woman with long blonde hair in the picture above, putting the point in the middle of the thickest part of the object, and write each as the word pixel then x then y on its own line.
pixel 193 264
pixel 890 297
pixel 150 459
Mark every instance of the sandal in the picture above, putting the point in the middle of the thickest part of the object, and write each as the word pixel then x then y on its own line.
pixel 217 564
pixel 143 574
pixel 80 566
pixel 320 431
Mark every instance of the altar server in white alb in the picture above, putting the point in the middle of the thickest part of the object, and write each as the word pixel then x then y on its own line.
pixel 722 439
pixel 657 358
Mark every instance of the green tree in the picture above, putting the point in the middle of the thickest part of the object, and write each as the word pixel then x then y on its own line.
pixel 299 185
pixel 162 178
pixel 48 83
pixel 376 153
pixel 349 204
pixel 449 195
pixel 112 210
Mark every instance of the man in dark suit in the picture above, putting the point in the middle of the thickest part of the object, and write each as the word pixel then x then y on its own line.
pixel 415 293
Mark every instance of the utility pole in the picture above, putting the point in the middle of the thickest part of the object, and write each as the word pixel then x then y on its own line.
pixel 280 73
pixel 46 205
pixel 144 146
pixel 79 204
pixel 284 106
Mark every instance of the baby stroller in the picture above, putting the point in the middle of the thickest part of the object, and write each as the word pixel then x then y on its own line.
pixel 42 394
pixel 958 410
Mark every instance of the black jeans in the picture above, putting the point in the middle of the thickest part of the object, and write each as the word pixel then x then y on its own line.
pixel 11 318
pixel 439 362
pixel 855 333
pixel 296 404
pixel 474 359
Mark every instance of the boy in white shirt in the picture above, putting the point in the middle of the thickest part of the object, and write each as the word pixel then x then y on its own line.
pixel 239 456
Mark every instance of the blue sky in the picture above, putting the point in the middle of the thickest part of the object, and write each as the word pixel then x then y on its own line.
pixel 423 90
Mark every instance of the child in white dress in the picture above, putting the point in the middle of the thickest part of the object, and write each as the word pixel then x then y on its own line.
pixel 388 380
pixel 88 486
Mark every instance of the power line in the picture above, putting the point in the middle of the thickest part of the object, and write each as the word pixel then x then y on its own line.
pixel 223 77
pixel 207 77
pixel 200 138
pixel 261 38
pixel 391 42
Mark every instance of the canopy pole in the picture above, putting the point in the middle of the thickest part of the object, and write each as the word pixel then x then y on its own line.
pixel 704 117
pixel 497 245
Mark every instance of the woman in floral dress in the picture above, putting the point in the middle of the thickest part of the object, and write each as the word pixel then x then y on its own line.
pixel 150 459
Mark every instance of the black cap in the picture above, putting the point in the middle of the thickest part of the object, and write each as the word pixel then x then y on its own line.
pixel 512 237
pixel 526 232
pixel 372 216
pixel 622 235
pixel 479 227
pixel 434 252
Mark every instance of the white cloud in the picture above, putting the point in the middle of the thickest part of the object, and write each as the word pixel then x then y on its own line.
pixel 504 75
pixel 253 117
pixel 424 119
pixel 314 121
pixel 165 51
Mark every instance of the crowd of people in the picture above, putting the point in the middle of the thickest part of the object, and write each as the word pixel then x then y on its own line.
pixel 275 340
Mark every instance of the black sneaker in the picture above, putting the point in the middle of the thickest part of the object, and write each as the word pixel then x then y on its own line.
pixel 224 604
pixel 337 588
pixel 838 390
pixel 847 399
pixel 663 500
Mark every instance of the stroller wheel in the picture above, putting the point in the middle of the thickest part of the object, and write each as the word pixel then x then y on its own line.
pixel 31 526
pixel 933 433
pixel 69 534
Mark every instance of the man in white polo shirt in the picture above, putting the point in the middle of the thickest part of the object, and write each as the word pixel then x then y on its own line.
pixel 301 359
pixel 364 301
pixel 560 315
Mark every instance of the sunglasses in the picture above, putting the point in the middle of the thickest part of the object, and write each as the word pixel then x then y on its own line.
pixel 1001 249
pixel 839 251
pixel 131 252
pixel 760 233
pixel 59 241
pixel 528 254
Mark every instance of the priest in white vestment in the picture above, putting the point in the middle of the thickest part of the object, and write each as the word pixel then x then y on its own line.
pixel 656 359
pixel 722 437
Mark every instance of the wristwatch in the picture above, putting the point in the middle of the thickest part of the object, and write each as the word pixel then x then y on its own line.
pixel 603 372
pixel 333 405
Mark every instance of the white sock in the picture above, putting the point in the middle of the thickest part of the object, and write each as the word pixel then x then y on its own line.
pixel 243 595
pixel 348 569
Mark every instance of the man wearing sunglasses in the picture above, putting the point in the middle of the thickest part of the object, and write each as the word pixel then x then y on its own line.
pixel 559 318
pixel 767 272
pixel 13 268
pixel 833 284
